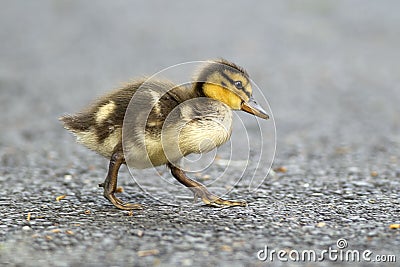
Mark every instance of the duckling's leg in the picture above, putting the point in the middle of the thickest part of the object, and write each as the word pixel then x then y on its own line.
pixel 110 183
pixel 200 190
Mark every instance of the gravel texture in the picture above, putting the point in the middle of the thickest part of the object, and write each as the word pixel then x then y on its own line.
pixel 329 69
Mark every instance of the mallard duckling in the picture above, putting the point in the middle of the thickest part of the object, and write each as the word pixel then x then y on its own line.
pixel 221 85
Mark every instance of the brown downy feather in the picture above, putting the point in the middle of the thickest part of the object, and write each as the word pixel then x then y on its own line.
pixel 99 126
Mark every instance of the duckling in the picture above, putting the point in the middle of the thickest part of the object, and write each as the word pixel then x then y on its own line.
pixel 181 120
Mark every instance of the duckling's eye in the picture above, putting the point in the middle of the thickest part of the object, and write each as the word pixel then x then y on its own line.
pixel 238 85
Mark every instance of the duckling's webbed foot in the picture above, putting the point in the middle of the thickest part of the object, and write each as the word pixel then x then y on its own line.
pixel 201 191
pixel 110 183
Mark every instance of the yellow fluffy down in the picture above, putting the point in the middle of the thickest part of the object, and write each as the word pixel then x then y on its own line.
pixel 224 95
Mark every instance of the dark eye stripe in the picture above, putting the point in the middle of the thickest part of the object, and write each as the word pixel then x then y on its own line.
pixel 246 92
pixel 227 77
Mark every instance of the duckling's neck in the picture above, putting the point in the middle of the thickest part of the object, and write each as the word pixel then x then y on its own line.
pixel 197 89
pixel 184 92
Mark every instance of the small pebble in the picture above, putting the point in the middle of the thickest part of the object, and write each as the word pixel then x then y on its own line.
pixel 394 226
pixel 150 252
pixel 26 228
pixel 317 194
pixel 362 184
pixel 226 248
pixel 206 177
pixel 187 262
pixel 60 197
pixel 374 173
pixel 140 233
pixel 349 196
pixel 281 169
pixel 372 233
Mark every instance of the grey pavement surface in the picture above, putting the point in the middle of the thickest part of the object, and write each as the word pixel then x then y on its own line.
pixel 329 69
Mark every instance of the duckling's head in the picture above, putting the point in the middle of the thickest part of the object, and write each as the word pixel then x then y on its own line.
pixel 230 84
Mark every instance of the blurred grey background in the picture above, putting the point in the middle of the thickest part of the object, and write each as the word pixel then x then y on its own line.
pixel 326 67
pixel 329 69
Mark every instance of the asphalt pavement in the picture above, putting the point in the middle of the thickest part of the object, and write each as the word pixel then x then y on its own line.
pixel 330 71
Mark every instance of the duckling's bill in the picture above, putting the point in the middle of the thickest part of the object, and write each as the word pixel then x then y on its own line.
pixel 252 107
